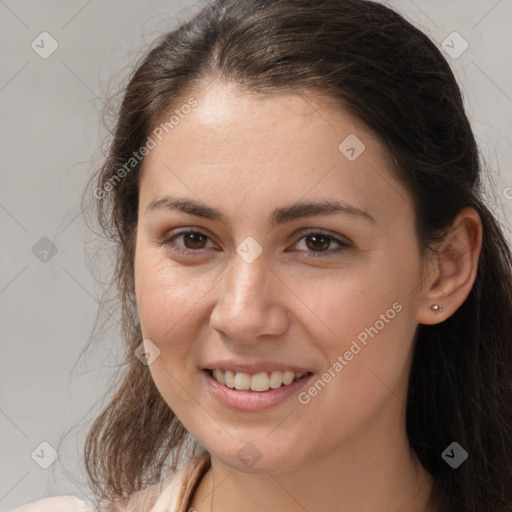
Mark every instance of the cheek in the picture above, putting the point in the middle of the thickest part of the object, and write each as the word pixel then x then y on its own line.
pixel 366 316
pixel 167 299
pixel 343 304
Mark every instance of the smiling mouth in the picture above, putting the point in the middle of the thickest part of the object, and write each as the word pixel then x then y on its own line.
pixel 263 381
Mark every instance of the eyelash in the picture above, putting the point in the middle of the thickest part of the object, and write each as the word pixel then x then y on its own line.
pixel 169 242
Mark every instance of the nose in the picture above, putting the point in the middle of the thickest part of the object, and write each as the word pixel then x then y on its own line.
pixel 248 303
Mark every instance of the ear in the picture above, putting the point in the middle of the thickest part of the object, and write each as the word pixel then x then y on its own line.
pixel 452 269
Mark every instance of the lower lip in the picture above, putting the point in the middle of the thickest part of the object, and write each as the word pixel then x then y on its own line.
pixel 253 400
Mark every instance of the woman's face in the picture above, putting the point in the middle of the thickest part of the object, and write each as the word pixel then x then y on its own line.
pixel 254 275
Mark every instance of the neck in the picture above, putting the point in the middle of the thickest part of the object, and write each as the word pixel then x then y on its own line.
pixel 371 470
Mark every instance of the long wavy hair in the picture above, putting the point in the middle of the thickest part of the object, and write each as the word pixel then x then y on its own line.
pixel 374 63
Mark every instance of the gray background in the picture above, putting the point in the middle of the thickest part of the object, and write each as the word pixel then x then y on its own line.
pixel 51 129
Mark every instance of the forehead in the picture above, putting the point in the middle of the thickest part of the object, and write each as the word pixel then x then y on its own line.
pixel 246 149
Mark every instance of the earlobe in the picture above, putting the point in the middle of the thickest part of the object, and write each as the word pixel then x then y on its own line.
pixel 455 268
pixel 437 308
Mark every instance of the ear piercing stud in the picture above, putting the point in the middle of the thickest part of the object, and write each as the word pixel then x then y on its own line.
pixel 437 308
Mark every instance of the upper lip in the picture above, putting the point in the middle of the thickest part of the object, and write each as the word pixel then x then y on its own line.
pixel 255 367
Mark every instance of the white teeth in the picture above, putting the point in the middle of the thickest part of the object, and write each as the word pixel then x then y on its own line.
pixel 288 378
pixel 276 379
pixel 242 381
pixel 219 376
pixel 262 381
pixel 259 382
pixel 229 378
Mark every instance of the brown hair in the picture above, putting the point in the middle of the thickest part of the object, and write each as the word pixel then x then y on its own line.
pixel 373 62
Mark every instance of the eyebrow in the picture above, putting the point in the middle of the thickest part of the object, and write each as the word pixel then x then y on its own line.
pixel 278 216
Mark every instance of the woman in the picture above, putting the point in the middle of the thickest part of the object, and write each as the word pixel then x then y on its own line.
pixel 323 300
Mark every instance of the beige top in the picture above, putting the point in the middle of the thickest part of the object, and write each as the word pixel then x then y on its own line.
pixel 173 494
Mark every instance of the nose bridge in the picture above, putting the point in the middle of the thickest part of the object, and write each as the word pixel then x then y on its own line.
pixel 246 285
pixel 246 304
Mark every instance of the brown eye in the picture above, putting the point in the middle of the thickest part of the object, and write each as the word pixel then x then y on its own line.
pixel 194 240
pixel 186 242
pixel 318 242
pixel 314 243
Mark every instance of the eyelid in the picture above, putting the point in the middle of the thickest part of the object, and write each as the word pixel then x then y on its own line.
pixel 341 239
pixel 343 244
pixel 168 240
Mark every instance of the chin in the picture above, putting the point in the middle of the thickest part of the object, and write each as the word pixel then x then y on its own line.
pixel 258 455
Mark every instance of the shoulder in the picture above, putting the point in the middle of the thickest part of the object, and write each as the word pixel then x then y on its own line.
pixel 174 493
pixel 56 504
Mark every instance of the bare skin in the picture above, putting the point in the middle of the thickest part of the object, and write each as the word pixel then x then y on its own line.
pixel 346 448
